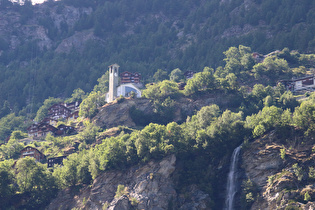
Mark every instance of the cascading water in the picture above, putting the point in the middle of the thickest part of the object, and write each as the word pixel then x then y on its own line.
pixel 231 188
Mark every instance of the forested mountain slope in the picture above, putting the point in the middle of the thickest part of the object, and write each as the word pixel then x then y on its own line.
pixel 199 124
pixel 57 49
pixel 53 48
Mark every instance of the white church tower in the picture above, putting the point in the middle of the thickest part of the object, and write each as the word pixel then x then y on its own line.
pixel 113 82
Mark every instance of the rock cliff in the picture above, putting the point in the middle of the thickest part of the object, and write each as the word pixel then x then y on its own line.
pixel 16 29
pixel 149 186
pixel 281 173
pixel 115 114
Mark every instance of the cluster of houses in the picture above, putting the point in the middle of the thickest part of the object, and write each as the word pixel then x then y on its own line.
pixel 49 123
pixel 129 82
pixel 29 151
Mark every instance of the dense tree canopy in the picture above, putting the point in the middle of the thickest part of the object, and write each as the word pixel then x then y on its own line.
pixel 200 82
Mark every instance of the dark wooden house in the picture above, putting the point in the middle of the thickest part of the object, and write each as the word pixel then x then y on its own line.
pixel 64 130
pixel 32 152
pixel 41 130
pixel 74 106
pixel 128 77
pixel 55 160
pixel 58 111
pixel 50 121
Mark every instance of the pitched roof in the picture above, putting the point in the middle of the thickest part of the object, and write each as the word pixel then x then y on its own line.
pixel 32 148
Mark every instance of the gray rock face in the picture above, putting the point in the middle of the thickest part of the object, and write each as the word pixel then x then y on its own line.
pixel 76 41
pixel 122 203
pixel 150 186
pixel 15 31
pixel 262 162
pixel 115 114
pixel 146 187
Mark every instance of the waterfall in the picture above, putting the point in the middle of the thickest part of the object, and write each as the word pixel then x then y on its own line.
pixel 231 188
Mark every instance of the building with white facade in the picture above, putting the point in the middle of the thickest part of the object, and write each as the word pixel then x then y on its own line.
pixel 116 90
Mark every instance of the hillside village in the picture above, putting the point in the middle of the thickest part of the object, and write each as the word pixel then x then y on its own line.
pixel 120 84
pixel 63 134
pixel 129 82
pixel 176 105
pixel 49 124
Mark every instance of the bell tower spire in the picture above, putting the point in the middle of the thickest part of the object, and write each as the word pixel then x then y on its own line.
pixel 113 82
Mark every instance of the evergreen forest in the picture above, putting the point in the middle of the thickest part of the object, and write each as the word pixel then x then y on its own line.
pixel 141 36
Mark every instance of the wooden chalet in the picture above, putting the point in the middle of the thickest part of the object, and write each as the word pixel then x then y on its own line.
pixel 50 121
pixel 45 128
pixel 128 77
pixel 74 106
pixel 63 130
pixel 55 160
pixel 41 130
pixel 32 130
pixel 32 152
pixel 58 111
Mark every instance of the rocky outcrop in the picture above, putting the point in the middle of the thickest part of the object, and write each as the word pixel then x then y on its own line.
pixel 76 41
pixel 115 114
pixel 16 29
pixel 144 187
pixel 262 160
pixel 280 183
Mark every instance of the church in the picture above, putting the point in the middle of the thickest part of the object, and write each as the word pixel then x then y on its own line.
pixel 116 90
